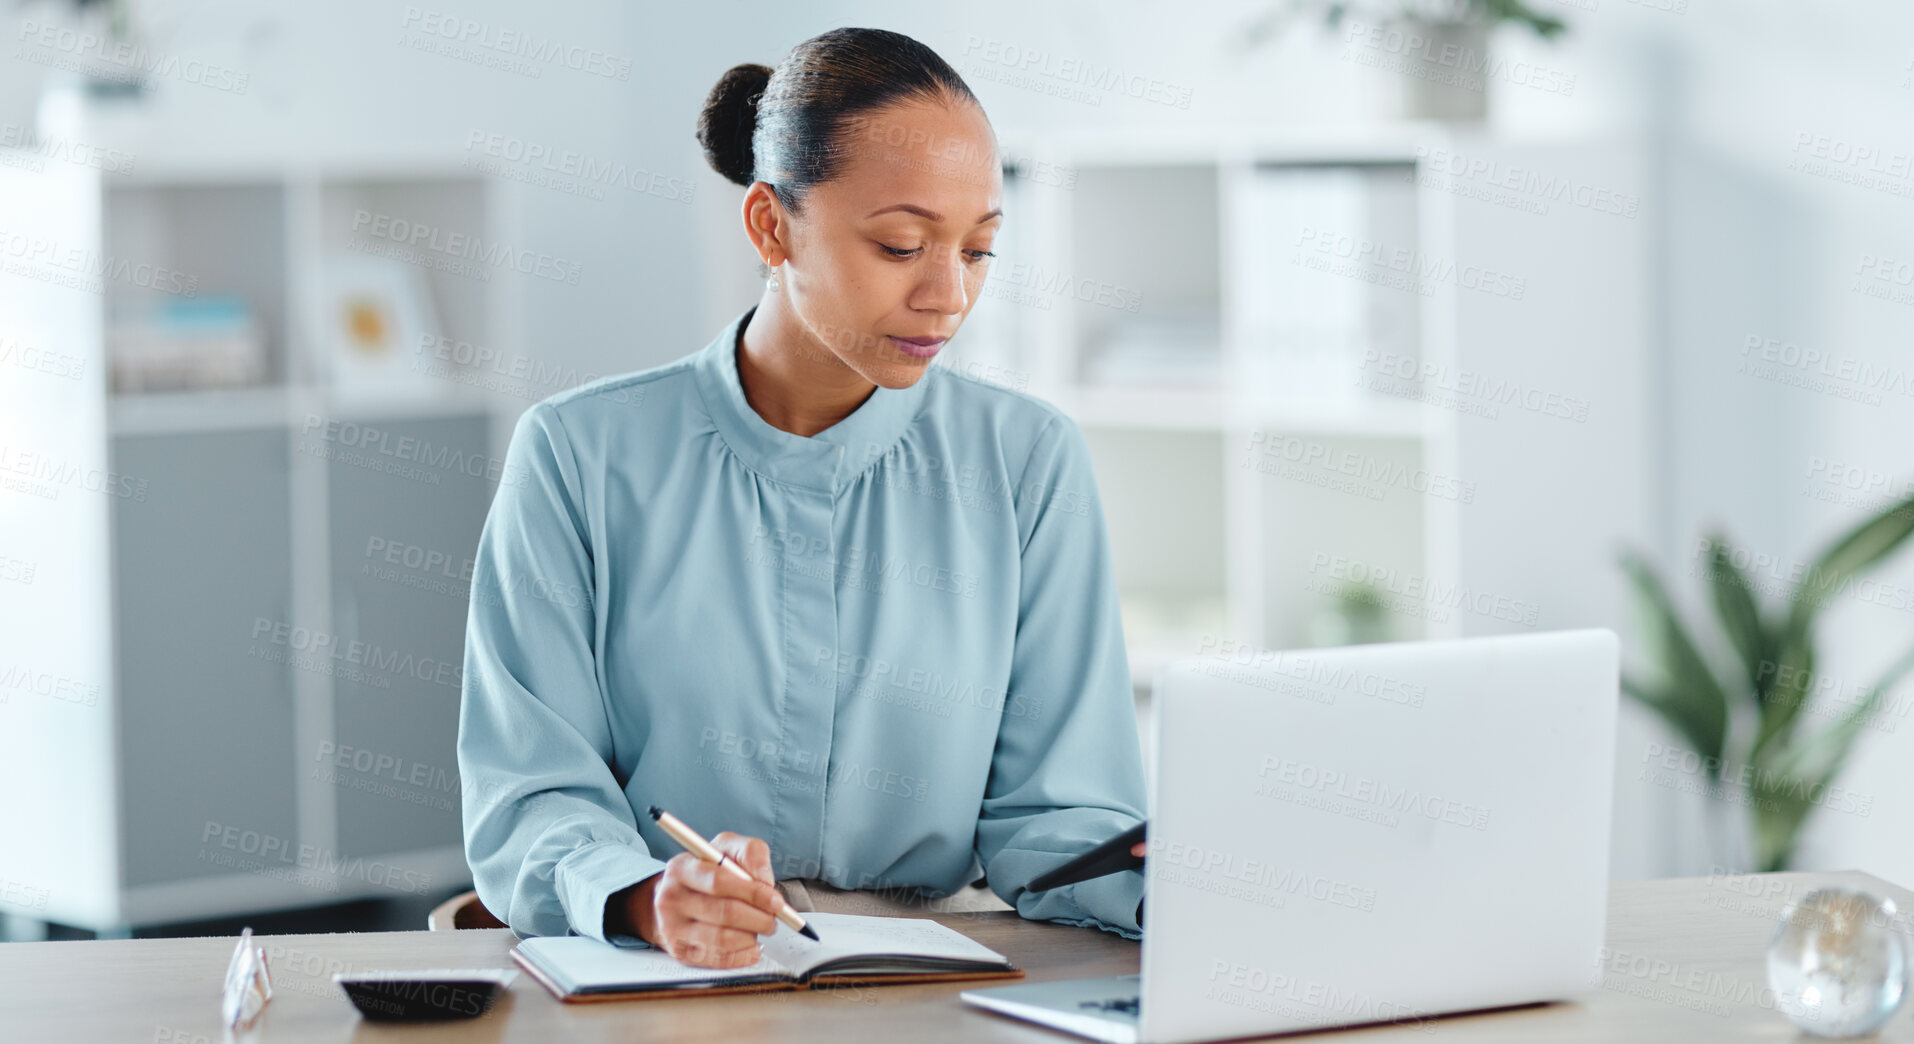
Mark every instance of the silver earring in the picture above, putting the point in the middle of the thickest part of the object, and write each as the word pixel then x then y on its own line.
pixel 773 281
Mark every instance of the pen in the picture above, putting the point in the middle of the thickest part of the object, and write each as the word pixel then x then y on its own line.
pixel 708 852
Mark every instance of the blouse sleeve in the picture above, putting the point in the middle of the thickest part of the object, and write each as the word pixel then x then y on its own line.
pixel 1067 772
pixel 549 832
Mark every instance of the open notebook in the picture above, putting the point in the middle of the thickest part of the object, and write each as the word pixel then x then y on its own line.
pixel 855 950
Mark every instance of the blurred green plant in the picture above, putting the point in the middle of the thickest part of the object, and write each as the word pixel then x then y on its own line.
pixel 1357 615
pixel 1748 721
pixel 1490 13
pixel 1365 611
pixel 1452 12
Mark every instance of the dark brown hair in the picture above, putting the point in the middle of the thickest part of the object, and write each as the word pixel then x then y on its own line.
pixel 786 126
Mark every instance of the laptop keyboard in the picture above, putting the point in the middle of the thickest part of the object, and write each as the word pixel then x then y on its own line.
pixel 1124 1006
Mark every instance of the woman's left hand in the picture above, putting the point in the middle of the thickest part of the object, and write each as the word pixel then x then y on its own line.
pixel 1137 849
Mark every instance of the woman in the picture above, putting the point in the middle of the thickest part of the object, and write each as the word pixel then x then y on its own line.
pixel 855 610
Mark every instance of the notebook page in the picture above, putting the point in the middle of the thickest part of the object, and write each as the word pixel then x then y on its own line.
pixel 581 964
pixel 852 935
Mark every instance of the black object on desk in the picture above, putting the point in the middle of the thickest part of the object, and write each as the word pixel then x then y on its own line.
pixel 1112 856
pixel 417 996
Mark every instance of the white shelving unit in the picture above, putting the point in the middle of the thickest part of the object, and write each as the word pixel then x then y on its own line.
pixel 253 515
pixel 1208 550
pixel 1166 246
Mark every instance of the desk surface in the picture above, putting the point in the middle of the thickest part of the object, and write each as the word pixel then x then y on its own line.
pixel 1686 963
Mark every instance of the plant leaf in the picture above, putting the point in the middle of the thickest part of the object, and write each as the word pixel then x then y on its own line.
pixel 1779 804
pixel 1689 722
pixel 1785 697
pixel 1784 789
pixel 1822 755
pixel 1855 550
pixel 1740 616
pixel 1687 695
pixel 1545 26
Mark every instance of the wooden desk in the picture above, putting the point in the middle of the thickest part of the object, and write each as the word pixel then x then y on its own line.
pixel 1686 963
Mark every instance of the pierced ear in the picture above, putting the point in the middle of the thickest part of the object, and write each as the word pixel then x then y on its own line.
pixel 758 210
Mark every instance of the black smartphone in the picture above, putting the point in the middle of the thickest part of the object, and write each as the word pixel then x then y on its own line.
pixel 1107 858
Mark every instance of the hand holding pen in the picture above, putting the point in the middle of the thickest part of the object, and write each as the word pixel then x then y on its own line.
pixel 713 900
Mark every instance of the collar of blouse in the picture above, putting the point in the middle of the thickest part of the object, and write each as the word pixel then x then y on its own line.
pixel 826 462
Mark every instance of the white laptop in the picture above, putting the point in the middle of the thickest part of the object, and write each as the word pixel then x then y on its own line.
pixel 1377 833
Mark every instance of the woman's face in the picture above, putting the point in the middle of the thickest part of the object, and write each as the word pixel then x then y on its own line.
pixel 887 259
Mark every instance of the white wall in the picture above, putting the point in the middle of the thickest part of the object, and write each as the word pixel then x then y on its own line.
pixel 57 750
pixel 1749 247
pixel 1753 247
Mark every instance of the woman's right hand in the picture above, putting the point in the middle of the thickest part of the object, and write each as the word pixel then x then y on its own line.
pixel 703 914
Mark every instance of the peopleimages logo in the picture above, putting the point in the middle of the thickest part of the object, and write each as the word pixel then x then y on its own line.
pixel 1742 783
pixel 1305 459
pixel 1383 796
pixel 1259 873
pixel 1305 1000
pixel 1409 269
pixel 118 61
pixel 1795 580
pixel 45 476
pixel 875 677
pixel 766 760
pixel 1304 667
pixel 817 556
pixel 321 650
pixel 539 163
pixel 1414 593
pixel 1538 185
pixel 421 235
pixel 81 268
pixel 27 149
pixel 1817 369
pixel 14 353
pixel 1035 62
pixel 403 455
pixel 16 678
pixel 538 51
pixel 1409 376
pixel 1448 63
pixel 257 852
pixel 22 896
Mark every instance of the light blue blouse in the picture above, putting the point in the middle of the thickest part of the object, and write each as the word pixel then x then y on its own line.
pixel 892 649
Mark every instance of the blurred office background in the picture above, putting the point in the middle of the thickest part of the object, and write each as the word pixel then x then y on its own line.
pixel 1381 328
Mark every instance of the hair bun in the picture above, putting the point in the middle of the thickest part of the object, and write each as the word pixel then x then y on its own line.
pixel 730 115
